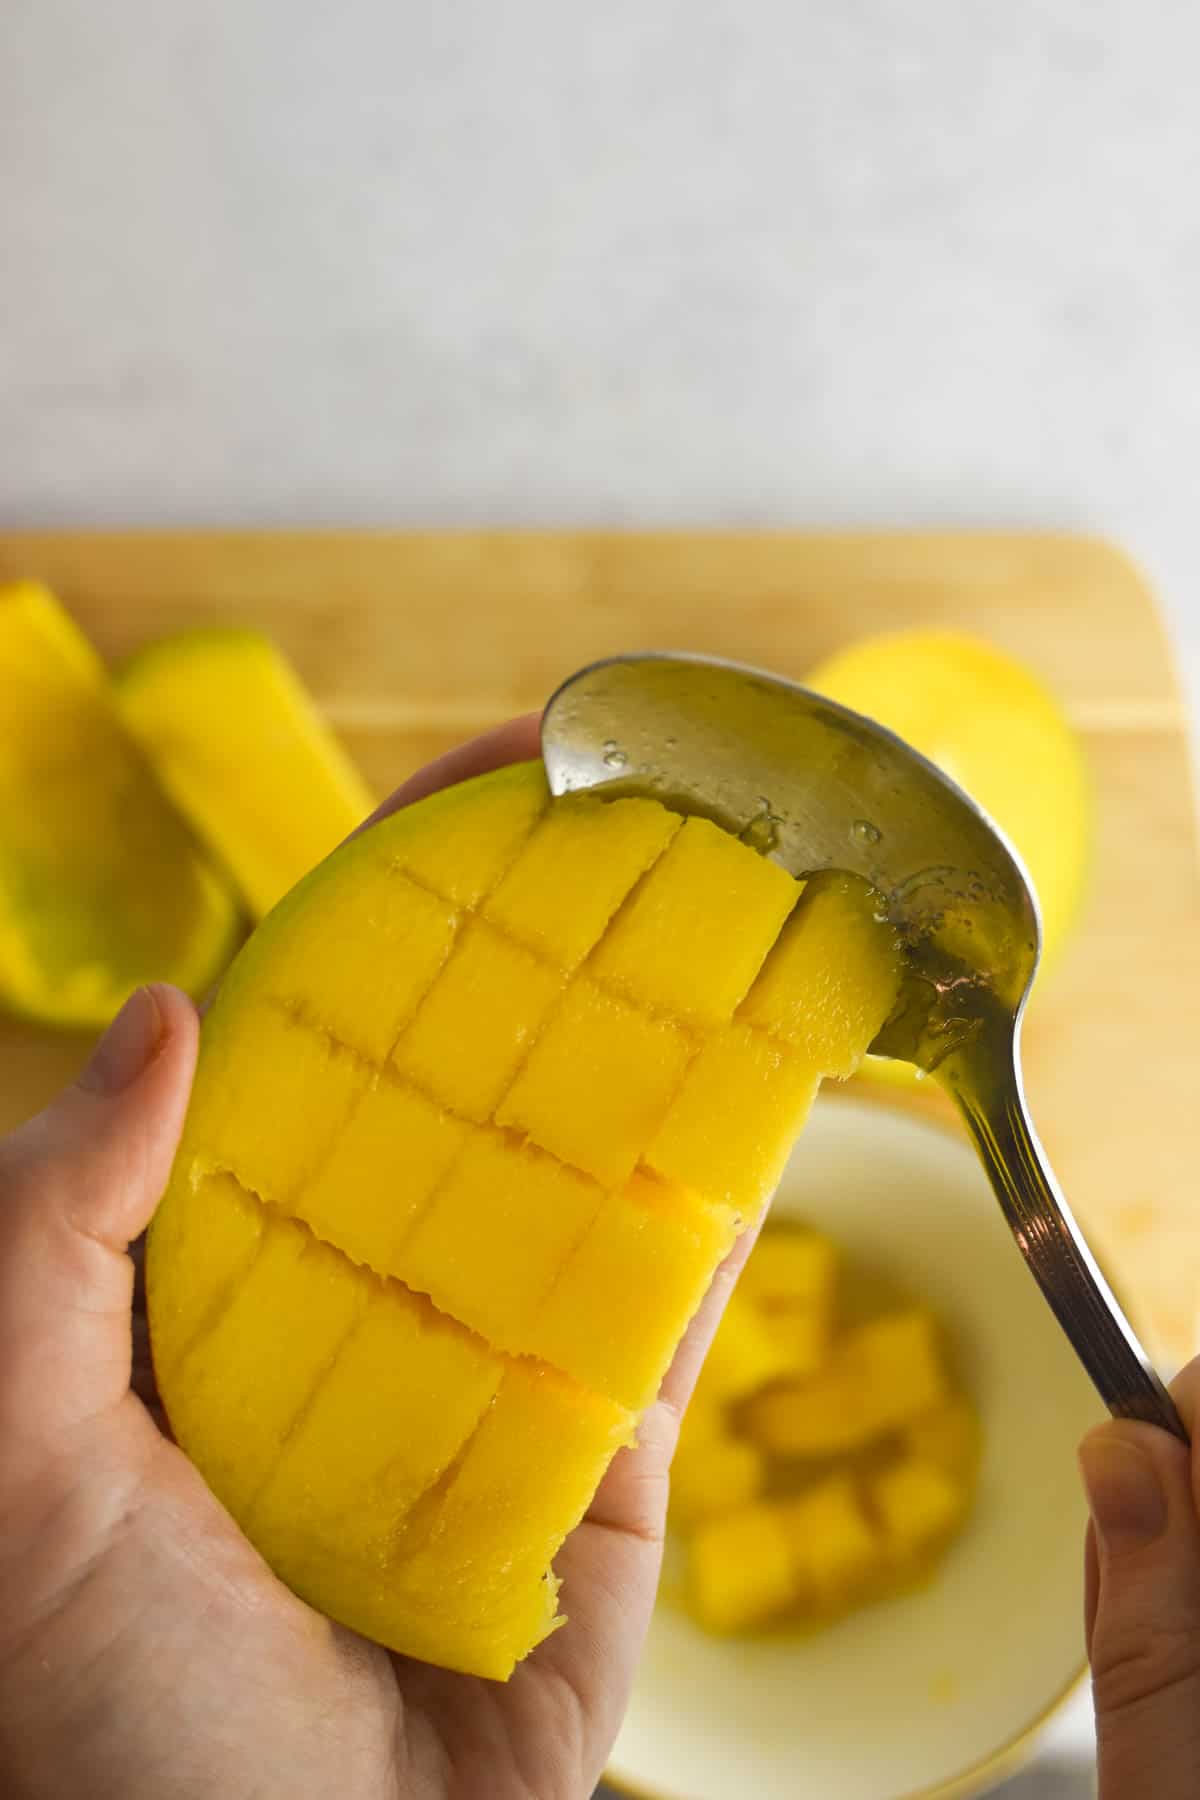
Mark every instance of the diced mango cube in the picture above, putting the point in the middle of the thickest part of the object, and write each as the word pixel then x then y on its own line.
pixel 882 1375
pixel 253 1370
pixel 383 1166
pixel 731 1127
pixel 268 1101
pixel 822 1416
pixel 800 1336
pixel 464 838
pixel 918 1505
pixel 949 1437
pixel 695 961
pixel 791 1276
pixel 714 1478
pixel 832 979
pixel 625 1297
pixel 497 1235
pixel 359 963
pixel 597 1083
pixel 197 1258
pixel 743 1356
pixel 491 996
pixel 791 1269
pixel 836 1553
pixel 740 1569
pixel 897 1361
pixel 574 872
pixel 407 1390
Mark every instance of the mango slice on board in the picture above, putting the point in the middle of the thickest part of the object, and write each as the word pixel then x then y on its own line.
pixel 453 1182
pixel 102 886
pixel 244 754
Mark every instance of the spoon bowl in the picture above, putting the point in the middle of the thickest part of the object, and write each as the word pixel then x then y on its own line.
pixel 813 785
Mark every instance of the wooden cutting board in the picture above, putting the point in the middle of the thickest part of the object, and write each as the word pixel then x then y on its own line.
pixel 413 641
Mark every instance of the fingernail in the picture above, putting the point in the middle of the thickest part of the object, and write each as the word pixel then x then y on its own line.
pixel 127 1046
pixel 1124 1492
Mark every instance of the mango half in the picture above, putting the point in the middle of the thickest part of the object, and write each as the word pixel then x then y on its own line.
pixel 102 886
pixel 240 747
pixel 480 1108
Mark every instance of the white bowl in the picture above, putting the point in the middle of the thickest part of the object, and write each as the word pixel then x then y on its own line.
pixel 938 1692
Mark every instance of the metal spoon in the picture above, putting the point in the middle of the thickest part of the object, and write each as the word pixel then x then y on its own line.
pixel 815 786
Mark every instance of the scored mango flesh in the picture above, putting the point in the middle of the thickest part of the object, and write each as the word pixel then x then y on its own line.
pixel 453 1183
pixel 245 755
pixel 102 886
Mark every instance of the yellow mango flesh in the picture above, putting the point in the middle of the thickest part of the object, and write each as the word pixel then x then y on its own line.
pixel 918 1505
pixel 245 755
pixel 741 1569
pixel 947 1436
pixel 831 979
pixel 671 951
pixel 445 1201
pixel 102 886
pixel 789 1285
pixel 652 1251
pixel 744 1355
pixel 836 1548
pixel 716 1477
pixel 820 1466
pixel 881 1377
pixel 789 1270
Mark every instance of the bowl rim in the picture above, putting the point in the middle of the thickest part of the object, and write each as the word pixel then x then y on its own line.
pixel 997 1765
pixel 1016 1752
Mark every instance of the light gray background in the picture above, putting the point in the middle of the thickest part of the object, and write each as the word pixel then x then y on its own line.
pixel 647 261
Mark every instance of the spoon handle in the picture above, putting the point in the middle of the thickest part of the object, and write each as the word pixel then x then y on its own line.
pixel 985 1081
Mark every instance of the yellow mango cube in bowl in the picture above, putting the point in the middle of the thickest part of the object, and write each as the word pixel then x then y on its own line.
pixel 881 1376
pixel 741 1571
pixel 733 1703
pixel 715 1477
pixel 918 1505
pixel 849 1439
pixel 949 1436
pixel 791 1280
pixel 790 1269
pixel 744 1355
pixel 837 1550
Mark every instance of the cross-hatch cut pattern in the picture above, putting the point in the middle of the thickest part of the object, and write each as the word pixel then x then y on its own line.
pixel 524 1072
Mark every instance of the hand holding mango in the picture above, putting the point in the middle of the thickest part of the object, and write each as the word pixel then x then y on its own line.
pixel 135 1614
pixel 146 1648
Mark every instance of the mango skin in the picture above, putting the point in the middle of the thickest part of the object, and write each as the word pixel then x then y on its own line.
pixel 370 1161
pixel 102 886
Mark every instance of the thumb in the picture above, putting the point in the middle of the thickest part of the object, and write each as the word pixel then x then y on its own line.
pixel 1143 1611
pixel 77 1183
